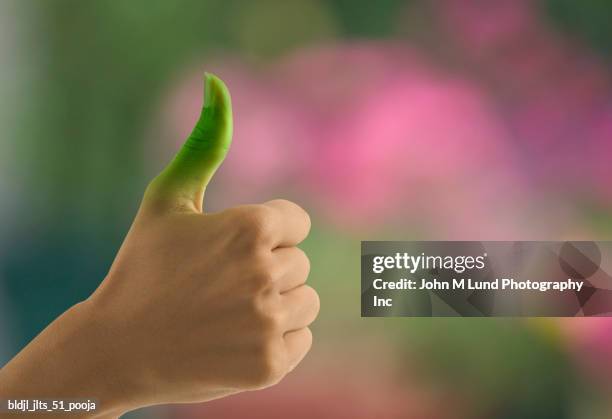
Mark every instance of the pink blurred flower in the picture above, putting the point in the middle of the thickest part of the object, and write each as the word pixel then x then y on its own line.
pixel 600 152
pixel 551 89
pixel 367 132
pixel 402 139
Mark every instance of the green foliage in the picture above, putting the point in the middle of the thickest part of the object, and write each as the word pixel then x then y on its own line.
pixel 368 19
pixel 589 20
pixel 503 367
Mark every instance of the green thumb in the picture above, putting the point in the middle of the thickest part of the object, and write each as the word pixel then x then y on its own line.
pixel 183 182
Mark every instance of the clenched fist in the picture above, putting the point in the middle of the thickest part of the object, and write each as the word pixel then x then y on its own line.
pixel 196 305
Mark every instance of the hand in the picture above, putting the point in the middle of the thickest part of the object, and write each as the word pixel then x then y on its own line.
pixel 198 305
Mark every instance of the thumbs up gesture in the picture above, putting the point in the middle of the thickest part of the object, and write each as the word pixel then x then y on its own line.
pixel 196 305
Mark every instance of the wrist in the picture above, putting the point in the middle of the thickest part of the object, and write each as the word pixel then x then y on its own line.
pixel 70 359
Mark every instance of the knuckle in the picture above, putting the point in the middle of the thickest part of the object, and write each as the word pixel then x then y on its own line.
pixel 270 323
pixel 256 224
pixel 273 324
pixel 266 318
pixel 262 281
pixel 263 272
pixel 269 364
pixel 284 203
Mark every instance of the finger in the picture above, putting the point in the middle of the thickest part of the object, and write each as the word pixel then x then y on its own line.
pixel 294 265
pixel 183 182
pixel 297 344
pixel 293 221
pixel 300 307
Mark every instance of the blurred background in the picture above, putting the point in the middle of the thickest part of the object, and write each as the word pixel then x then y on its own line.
pixel 464 119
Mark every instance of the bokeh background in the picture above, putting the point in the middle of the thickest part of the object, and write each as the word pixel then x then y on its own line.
pixel 391 119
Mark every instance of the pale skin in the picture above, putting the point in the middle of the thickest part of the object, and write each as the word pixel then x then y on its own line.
pixel 196 305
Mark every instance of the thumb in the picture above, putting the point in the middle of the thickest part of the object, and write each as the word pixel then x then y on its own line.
pixel 183 182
